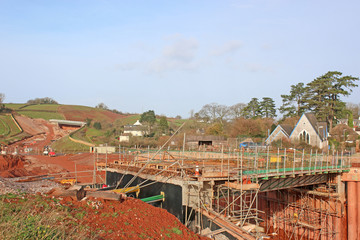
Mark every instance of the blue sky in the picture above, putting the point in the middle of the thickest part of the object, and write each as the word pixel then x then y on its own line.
pixel 172 56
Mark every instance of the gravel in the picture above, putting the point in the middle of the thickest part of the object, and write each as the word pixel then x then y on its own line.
pixel 9 185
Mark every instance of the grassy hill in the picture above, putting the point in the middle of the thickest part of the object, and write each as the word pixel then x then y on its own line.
pixel 112 123
pixel 9 130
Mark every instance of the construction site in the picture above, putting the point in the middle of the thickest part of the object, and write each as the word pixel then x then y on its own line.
pixel 242 194
pixel 227 193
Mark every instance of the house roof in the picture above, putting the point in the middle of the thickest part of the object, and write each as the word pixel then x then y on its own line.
pixel 287 128
pixel 317 125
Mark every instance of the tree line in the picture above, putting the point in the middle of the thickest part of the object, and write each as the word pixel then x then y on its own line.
pixel 323 96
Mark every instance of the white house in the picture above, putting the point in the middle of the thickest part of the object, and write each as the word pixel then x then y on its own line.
pixel 307 130
pixel 137 129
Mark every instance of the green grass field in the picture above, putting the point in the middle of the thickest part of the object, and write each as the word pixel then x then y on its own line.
pixel 14 106
pixel 4 128
pixel 65 145
pixel 127 120
pixel 8 126
pixel 43 115
pixel 43 107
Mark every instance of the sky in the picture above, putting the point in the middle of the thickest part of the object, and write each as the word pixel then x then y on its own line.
pixel 172 56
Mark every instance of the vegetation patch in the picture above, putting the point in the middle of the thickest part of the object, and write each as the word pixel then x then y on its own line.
pixel 44 115
pixel 65 145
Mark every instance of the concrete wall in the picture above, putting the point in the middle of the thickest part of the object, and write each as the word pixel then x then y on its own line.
pixel 173 193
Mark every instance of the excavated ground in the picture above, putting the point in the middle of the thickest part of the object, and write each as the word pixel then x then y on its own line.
pixel 131 219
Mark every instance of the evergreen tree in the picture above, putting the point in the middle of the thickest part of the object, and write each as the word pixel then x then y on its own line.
pixel 267 106
pixel 325 92
pixel 164 126
pixel 148 118
pixel 294 103
pixel 252 109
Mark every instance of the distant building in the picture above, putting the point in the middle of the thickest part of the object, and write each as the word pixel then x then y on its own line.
pixel 280 132
pixel 124 138
pixel 103 149
pixel 356 124
pixel 137 129
pixel 307 130
pixel 208 140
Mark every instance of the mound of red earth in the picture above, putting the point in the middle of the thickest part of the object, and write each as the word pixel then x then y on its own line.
pixel 130 219
pixel 107 219
pixel 12 166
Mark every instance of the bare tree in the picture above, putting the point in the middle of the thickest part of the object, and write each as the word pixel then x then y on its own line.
pixel 102 106
pixel 237 110
pixel 2 97
pixel 214 112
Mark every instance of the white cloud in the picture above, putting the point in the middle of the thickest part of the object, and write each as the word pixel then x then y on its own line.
pixel 227 48
pixel 180 55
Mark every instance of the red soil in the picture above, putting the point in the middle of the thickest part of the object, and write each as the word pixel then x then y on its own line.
pixel 95 114
pixel 12 166
pixel 131 219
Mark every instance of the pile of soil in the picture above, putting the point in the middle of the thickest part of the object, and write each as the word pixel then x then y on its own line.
pixel 12 166
pixel 107 219
pixel 130 219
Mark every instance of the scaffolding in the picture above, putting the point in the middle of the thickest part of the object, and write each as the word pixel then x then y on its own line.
pixel 302 214
pixel 231 189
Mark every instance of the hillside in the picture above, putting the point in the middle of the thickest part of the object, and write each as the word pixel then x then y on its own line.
pixel 67 112
pixel 111 124
pixel 110 121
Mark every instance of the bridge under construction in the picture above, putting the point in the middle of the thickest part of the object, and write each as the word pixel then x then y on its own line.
pixel 274 194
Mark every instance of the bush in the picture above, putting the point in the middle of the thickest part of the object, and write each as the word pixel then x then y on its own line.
pixel 97 125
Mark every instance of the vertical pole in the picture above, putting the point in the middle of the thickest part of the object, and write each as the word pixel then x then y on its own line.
pixel 302 160
pixel 106 160
pixel 148 152
pixel 278 161
pixel 241 167
pixel 94 173
pixel 238 165
pixel 310 162
pixel 294 161
pixel 222 158
pixel 284 160
pixel 75 174
pixel 267 162
pixel 321 162
pixel 315 161
pixel 119 152
pixel 183 155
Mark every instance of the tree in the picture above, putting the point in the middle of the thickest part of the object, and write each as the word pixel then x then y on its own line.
pixel 294 103
pixel 97 125
pixel 45 100
pixel 252 109
pixel 267 106
pixel 102 106
pixel 88 122
pixel 354 108
pixel 351 120
pixel 325 92
pixel 148 118
pixel 163 124
pixel 215 129
pixel 2 97
pixel 237 110
pixel 214 112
